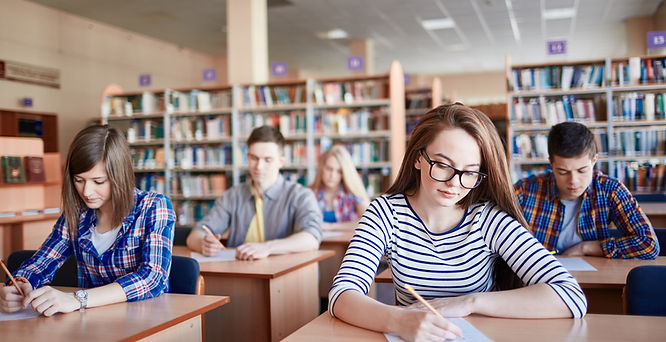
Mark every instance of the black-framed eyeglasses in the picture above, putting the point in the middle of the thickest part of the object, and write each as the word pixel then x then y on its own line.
pixel 443 172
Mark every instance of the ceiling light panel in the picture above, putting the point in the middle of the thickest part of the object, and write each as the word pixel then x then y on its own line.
pixel 438 24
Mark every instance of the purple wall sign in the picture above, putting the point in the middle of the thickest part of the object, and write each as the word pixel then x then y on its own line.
pixel 656 39
pixel 144 80
pixel 26 101
pixel 355 63
pixel 407 79
pixel 209 74
pixel 557 47
pixel 279 68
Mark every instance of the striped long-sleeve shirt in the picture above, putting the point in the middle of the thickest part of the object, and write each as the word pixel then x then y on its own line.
pixel 454 263
pixel 139 260
pixel 606 201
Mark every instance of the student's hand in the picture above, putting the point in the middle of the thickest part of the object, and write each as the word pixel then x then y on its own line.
pixel 49 301
pixel 11 300
pixel 211 245
pixel 252 251
pixel 592 247
pixel 459 306
pixel 425 326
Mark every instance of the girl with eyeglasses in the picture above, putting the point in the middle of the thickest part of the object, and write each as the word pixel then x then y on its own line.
pixel 447 225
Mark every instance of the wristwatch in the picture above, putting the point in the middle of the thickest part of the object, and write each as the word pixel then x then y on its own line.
pixel 82 297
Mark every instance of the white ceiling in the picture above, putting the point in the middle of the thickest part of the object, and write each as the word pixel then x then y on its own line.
pixel 479 42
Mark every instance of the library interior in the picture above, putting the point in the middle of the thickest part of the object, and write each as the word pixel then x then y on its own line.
pixel 250 170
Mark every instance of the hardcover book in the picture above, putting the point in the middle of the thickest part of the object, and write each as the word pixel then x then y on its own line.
pixel 12 169
pixel 34 169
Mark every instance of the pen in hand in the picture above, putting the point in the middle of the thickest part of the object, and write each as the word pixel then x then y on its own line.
pixel 11 278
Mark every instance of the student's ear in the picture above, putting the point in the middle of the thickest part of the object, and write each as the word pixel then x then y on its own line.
pixel 595 158
pixel 417 163
pixel 282 161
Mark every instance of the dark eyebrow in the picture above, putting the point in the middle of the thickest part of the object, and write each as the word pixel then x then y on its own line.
pixel 450 161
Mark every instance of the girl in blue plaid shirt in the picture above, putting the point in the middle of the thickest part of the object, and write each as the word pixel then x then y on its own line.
pixel 120 236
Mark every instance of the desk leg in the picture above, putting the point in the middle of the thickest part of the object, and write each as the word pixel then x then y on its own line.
pixel 604 300
pixel 189 330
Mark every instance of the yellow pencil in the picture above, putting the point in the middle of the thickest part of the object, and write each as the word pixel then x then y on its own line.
pixel 11 278
pixel 423 301
pixel 205 227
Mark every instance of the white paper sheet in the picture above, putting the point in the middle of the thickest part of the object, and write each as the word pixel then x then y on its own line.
pixel 470 332
pixel 23 314
pixel 331 233
pixel 575 264
pixel 225 255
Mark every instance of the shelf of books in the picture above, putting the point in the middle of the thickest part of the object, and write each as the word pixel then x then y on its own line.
pixel 190 143
pixel 621 100
pixel 362 114
pixel 419 101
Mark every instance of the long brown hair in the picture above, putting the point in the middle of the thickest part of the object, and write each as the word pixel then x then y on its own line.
pixel 351 181
pixel 90 146
pixel 496 188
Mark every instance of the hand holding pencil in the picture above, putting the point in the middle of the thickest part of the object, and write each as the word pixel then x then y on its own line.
pixel 210 244
pixel 12 297
pixel 451 331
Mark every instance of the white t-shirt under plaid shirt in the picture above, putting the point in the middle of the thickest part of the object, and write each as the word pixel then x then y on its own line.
pixel 454 263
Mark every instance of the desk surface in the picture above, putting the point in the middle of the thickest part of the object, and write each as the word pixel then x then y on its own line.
pixel 272 267
pixel 610 273
pixel 115 322
pixel 337 236
pixel 592 327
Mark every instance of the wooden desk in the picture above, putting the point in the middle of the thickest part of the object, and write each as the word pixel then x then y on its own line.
pixel 328 268
pixel 603 288
pixel 270 298
pixel 656 212
pixel 592 327
pixel 169 317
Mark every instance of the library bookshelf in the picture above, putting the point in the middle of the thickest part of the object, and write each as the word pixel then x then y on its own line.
pixel 29 210
pixel 190 143
pixel 620 99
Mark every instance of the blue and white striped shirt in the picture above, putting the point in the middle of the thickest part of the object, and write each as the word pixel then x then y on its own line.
pixel 454 263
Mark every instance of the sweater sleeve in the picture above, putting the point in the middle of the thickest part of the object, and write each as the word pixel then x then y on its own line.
pixel 365 250
pixel 530 260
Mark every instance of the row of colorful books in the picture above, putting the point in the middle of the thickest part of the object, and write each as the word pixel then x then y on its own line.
pixel 128 105
pixel 151 182
pixel 190 212
pixel 289 122
pixel 196 100
pixel 553 110
pixel 638 142
pixel 345 120
pixel 147 158
pixel 639 106
pixel 638 177
pixel 16 169
pixel 535 145
pixel 562 77
pixel 349 91
pixel 187 185
pixel 198 128
pixel 639 71
pixel 263 95
pixel 145 130
pixel 206 156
